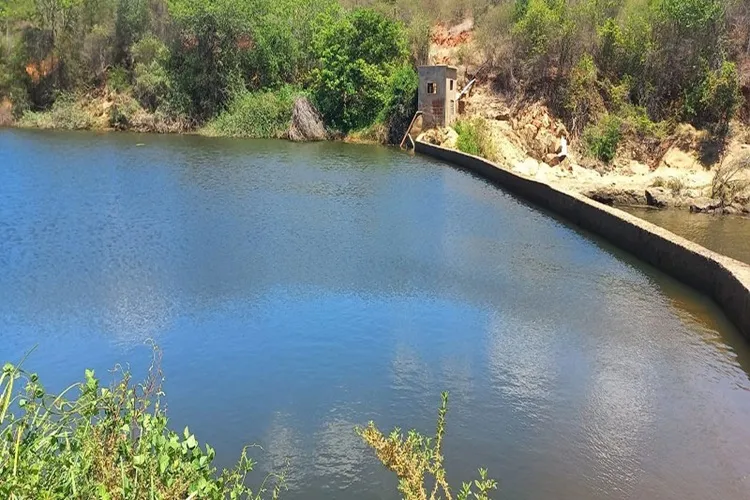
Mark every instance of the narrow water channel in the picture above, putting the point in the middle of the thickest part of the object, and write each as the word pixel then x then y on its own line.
pixel 300 290
pixel 727 235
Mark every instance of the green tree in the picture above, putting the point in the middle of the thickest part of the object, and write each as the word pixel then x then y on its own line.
pixel 207 52
pixel 716 98
pixel 357 52
pixel 688 36
pixel 401 102
pixel 131 22
pixel 152 84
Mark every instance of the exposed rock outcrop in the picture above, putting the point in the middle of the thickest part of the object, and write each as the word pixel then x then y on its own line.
pixel 307 124
pixel 615 196
pixel 538 130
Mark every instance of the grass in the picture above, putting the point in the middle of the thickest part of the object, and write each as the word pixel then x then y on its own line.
pixel 674 184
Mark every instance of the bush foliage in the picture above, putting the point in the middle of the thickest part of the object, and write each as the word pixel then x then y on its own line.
pixel 417 461
pixel 262 114
pixel 474 137
pixel 357 53
pixel 676 55
pixel 112 443
pixel 602 139
pixel 400 104
pixel 204 58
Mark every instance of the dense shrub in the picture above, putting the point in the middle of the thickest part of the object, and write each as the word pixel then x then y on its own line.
pixel 541 37
pixel 152 84
pixel 538 27
pixel 131 21
pixel 255 114
pixel 118 79
pixel 97 52
pixel 583 102
pixel 474 137
pixel 493 35
pixel 206 53
pixel 263 44
pixel 602 139
pixel 66 113
pixel 12 84
pixel 122 112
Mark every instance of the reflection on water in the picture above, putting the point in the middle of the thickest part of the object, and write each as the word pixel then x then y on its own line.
pixel 727 235
pixel 300 290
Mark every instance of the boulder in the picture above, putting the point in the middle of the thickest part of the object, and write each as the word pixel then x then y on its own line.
pixel 450 139
pixel 676 158
pixel 528 132
pixel 307 123
pixel 659 197
pixel 615 196
pixel 704 205
pixel 732 210
pixel 545 142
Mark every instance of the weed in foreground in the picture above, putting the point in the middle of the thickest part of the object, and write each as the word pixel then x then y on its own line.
pixel 90 442
pixel 418 460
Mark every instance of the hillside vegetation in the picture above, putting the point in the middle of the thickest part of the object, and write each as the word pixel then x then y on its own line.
pixel 607 68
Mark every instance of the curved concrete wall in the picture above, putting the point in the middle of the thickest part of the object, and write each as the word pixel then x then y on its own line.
pixel 725 280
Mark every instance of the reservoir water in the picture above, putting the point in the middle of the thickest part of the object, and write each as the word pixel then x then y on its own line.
pixel 299 290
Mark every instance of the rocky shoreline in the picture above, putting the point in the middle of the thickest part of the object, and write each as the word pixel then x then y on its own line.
pixel 674 174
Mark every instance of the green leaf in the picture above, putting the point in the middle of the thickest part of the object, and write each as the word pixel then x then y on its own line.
pixel 191 442
pixel 163 462
pixel 102 492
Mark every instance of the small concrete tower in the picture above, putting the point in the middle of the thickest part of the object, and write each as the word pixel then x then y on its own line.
pixel 438 90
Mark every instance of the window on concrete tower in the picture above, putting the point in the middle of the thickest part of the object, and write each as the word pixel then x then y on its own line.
pixel 451 85
pixel 431 88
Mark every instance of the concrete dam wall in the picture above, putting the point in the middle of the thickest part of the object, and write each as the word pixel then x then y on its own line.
pixel 725 280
